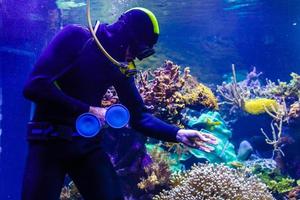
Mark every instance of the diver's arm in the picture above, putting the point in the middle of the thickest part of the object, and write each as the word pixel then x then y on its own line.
pixel 140 119
pixel 55 60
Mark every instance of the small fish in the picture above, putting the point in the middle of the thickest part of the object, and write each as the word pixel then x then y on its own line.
pixel 210 124
pixel 236 164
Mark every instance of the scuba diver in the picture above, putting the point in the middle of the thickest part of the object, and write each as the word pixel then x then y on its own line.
pixel 69 79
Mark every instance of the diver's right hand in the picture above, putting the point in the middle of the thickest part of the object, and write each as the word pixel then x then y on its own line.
pixel 98 112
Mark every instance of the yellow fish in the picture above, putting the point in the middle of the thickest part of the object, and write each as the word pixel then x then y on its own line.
pixel 210 124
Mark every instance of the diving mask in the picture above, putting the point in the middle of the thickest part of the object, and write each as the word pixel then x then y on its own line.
pixel 144 51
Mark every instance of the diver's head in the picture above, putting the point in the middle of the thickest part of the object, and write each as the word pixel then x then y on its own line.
pixel 142 31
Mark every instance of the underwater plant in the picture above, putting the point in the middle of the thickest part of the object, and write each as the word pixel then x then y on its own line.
pixel 215 181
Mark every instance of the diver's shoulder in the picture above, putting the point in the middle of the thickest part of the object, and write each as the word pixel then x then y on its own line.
pixel 75 29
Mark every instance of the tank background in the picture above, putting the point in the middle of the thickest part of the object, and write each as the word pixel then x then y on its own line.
pixel 207 35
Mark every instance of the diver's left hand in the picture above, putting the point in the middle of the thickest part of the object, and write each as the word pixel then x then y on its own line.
pixel 196 139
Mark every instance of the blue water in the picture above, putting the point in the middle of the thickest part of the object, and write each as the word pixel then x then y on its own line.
pixel 207 35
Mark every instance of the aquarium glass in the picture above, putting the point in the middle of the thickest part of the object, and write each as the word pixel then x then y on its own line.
pixel 229 69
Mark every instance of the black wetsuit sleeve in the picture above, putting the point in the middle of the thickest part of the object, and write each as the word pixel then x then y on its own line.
pixel 140 119
pixel 54 61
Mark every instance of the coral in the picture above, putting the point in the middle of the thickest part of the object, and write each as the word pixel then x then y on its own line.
pixel 291 89
pixel 173 152
pixel 280 112
pixel 70 192
pixel 274 180
pixel 269 173
pixel 180 152
pixel 259 106
pixel 158 172
pixel 110 97
pixel 161 93
pixel 234 93
pixel 294 111
pixel 247 95
pixel 262 164
pixel 127 152
pixel 276 137
pixel 211 122
pixel 211 181
pixel 167 91
pixel 282 186
pixel 294 194
pixel 253 98
pixel 65 193
pixel 197 94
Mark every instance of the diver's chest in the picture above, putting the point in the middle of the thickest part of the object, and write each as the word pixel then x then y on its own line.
pixel 88 73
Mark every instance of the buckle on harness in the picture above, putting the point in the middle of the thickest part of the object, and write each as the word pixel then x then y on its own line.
pixel 47 131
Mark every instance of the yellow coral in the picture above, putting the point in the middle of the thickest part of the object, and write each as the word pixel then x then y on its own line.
pixel 259 106
pixel 200 94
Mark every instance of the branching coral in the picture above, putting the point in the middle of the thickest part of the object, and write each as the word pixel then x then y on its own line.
pixel 278 111
pixel 291 89
pixel 276 135
pixel 234 93
pixel 167 91
pixel 246 94
pixel 161 94
pixel 209 181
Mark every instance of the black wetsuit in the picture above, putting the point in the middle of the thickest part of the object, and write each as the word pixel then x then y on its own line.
pixel 83 74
